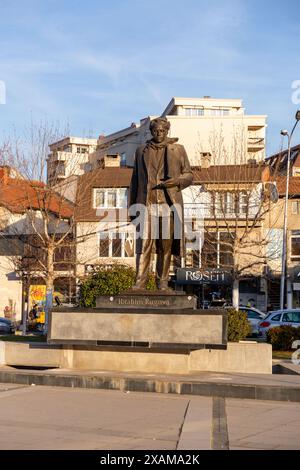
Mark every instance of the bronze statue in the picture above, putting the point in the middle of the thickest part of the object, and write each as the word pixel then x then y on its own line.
pixel 161 171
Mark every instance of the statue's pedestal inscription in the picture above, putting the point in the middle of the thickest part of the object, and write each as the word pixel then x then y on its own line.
pixel 146 300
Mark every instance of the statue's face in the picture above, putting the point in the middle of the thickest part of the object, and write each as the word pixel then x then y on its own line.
pixel 159 133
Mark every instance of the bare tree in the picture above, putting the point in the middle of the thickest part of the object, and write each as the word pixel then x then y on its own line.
pixel 39 215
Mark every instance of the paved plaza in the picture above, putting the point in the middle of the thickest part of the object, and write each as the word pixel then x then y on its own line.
pixel 36 417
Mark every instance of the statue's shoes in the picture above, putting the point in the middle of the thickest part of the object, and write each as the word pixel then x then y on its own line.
pixel 164 287
pixel 138 287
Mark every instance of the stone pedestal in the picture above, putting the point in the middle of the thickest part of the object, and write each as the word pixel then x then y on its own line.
pixel 151 320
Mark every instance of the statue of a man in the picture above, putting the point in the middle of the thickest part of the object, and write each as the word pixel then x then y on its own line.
pixel 161 171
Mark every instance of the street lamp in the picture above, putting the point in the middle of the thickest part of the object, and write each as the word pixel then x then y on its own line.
pixel 284 241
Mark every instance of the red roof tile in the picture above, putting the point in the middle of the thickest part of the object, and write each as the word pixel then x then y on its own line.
pixel 294 185
pixel 19 195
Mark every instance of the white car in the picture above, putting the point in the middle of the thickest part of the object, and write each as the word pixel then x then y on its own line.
pixel 254 316
pixel 290 316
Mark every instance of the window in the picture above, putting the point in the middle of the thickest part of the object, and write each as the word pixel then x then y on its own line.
pixel 60 169
pixel 224 203
pixel 291 317
pixel 128 245
pixel 296 171
pixel 116 245
pixel 123 159
pixel 219 112
pixel 274 247
pixel 109 198
pixel 82 149
pixel 225 249
pixel 104 245
pixel 99 198
pixel 295 207
pixel 243 203
pixel 253 314
pixel 122 197
pixel 217 250
pixel 295 244
pixel 194 112
pixel 276 317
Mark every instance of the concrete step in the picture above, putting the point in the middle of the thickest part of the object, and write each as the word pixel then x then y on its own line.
pixel 250 386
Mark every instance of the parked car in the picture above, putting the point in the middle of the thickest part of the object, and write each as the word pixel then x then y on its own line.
pixel 218 303
pixel 254 316
pixel 7 327
pixel 278 318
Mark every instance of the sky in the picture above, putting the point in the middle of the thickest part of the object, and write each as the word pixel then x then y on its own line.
pixel 96 66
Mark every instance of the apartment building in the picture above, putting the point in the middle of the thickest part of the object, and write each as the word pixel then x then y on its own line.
pixel 214 131
pixel 69 157
pixel 274 221
pixel 103 230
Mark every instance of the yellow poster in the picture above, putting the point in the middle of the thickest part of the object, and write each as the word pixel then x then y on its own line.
pixel 37 294
pixel 37 301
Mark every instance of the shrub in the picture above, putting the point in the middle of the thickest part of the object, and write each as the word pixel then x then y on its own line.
pixel 282 337
pixel 111 281
pixel 238 326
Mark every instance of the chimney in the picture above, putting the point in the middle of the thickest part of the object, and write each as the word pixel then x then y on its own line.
pixel 205 159
pixel 4 174
pixel 113 160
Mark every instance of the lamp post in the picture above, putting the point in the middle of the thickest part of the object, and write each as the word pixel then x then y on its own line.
pixel 285 216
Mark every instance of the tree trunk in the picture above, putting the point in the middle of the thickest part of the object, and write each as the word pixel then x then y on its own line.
pixel 49 285
pixel 235 294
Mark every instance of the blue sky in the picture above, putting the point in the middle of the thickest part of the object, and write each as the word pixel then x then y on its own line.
pixel 99 65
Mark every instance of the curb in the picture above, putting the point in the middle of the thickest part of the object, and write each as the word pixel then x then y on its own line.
pixel 154 385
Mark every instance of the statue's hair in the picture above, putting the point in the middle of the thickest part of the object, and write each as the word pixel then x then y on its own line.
pixel 162 121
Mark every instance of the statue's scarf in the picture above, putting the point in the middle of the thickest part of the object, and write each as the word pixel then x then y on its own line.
pixel 155 145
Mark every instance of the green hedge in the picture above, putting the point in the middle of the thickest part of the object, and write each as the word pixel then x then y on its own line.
pixel 238 325
pixel 111 281
pixel 282 337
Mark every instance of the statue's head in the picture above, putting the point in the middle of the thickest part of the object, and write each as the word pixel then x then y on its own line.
pixel 159 129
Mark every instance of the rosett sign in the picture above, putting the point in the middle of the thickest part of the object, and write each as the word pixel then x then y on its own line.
pixel 205 276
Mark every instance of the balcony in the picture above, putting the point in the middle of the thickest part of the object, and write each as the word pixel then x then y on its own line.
pixel 256 143
pixel 58 156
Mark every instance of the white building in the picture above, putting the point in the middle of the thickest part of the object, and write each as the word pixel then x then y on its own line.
pixel 214 131
pixel 69 157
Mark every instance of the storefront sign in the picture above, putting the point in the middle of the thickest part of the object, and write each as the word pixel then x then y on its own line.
pixel 207 276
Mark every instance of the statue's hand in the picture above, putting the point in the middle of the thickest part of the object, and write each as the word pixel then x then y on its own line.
pixel 170 183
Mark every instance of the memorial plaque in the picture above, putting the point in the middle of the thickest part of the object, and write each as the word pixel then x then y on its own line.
pixel 148 301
